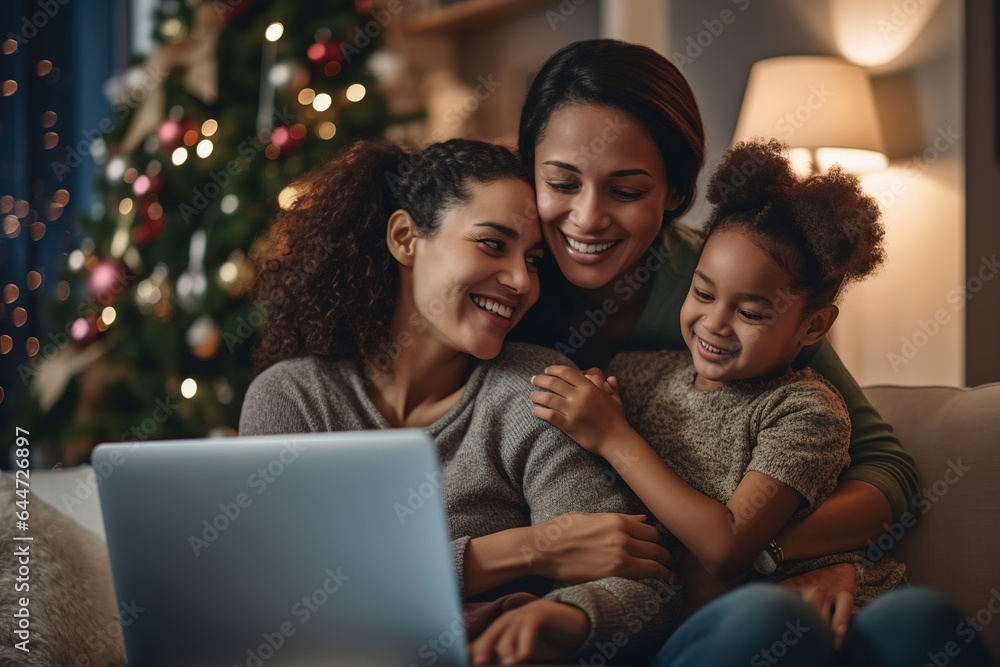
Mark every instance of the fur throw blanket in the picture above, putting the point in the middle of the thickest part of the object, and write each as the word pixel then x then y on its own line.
pixel 63 575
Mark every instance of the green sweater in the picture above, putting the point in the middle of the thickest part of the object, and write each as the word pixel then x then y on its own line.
pixel 876 454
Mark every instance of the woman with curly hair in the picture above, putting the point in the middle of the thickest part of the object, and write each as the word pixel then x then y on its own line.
pixel 390 284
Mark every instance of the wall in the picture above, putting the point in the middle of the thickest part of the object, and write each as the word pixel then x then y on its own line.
pixel 513 51
pixel 887 331
pixel 982 114
pixel 471 80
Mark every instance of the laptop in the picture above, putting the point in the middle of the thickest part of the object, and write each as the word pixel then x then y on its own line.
pixel 322 549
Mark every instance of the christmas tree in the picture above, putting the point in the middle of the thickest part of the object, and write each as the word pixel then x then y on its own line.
pixel 241 97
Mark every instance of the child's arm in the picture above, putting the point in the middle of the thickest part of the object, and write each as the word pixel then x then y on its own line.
pixel 725 542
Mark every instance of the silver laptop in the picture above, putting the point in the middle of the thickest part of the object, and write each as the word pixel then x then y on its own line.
pixel 306 550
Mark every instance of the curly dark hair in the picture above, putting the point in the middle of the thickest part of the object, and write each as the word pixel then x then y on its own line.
pixel 631 77
pixel 823 229
pixel 324 274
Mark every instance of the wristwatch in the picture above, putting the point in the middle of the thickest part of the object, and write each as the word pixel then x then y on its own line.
pixel 770 559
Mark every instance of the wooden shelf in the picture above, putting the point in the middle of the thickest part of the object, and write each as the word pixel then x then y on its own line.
pixel 469 15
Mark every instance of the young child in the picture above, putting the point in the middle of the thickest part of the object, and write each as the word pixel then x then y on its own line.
pixel 737 442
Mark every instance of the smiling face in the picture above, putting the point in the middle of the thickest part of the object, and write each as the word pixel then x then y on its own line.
pixel 741 319
pixel 602 192
pixel 475 277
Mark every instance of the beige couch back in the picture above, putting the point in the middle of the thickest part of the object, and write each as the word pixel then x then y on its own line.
pixel 954 437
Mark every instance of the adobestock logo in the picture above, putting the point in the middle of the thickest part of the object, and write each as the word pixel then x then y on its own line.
pixel 229 512
pixel 417 497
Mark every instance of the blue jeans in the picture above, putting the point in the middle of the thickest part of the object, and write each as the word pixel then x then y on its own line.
pixel 760 625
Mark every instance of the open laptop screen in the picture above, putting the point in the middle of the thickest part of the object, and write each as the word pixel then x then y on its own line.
pixel 283 550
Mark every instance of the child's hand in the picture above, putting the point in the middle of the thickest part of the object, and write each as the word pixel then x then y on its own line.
pixel 586 407
pixel 542 630
pixel 608 384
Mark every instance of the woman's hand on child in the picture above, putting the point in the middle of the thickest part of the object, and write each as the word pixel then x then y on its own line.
pixel 585 406
pixel 578 547
pixel 831 590
pixel 542 630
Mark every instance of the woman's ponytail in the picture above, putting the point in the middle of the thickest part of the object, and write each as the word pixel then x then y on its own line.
pixel 325 278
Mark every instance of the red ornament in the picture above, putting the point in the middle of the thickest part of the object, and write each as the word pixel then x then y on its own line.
pixel 171 133
pixel 289 139
pixel 363 5
pixel 151 222
pixel 148 230
pixel 232 10
pixel 320 53
pixel 107 282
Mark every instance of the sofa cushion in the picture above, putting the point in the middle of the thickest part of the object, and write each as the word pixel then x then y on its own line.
pixel 954 437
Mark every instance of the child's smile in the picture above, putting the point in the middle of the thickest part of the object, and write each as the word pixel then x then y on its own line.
pixel 737 321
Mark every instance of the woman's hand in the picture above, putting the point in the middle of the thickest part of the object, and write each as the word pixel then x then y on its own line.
pixel 539 631
pixel 579 547
pixel 831 590
pixel 584 406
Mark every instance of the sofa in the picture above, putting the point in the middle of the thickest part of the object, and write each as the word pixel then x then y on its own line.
pixel 953 436
pixel 951 543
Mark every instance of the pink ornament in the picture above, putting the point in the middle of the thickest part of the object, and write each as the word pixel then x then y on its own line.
pixel 289 139
pixel 320 53
pixel 106 282
pixel 84 329
pixel 171 134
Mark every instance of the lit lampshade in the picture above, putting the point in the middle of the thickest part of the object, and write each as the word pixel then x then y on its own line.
pixel 821 106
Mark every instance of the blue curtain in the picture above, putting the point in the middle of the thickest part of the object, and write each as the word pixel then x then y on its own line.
pixel 55 56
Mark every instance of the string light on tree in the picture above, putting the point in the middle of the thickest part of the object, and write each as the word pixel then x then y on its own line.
pixel 189 388
pixel 115 169
pixel 205 147
pixel 322 102
pixel 204 338
pixel 268 56
pixel 355 92
pixel 179 156
pixel 229 204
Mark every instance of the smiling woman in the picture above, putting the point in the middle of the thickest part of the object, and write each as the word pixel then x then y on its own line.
pixel 380 249
pixel 603 214
pixel 390 283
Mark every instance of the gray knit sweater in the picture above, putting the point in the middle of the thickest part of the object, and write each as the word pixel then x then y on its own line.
pixel 794 428
pixel 502 468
